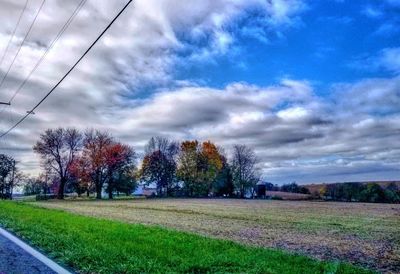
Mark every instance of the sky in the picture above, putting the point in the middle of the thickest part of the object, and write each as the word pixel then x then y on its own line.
pixel 312 86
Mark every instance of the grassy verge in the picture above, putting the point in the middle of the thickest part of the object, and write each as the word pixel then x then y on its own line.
pixel 92 245
pixel 362 234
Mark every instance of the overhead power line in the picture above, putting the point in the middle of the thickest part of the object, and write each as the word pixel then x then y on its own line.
pixel 68 72
pixel 13 32
pixel 60 33
pixel 22 43
pixel 4 104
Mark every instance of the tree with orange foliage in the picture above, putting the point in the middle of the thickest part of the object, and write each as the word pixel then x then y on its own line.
pixel 199 166
pixel 189 167
pixel 214 161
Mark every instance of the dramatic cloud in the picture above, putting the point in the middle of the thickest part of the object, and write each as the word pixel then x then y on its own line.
pixel 297 135
pixel 127 85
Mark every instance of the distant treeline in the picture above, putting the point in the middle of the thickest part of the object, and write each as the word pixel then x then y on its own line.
pixel 361 192
pixel 292 188
pixel 346 192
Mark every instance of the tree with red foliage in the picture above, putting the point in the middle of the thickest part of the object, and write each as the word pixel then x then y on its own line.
pixel 94 157
pixel 80 170
pixel 102 162
pixel 117 158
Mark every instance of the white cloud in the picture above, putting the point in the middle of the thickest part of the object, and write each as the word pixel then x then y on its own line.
pixel 126 85
pixel 291 130
pixel 372 12
pixel 387 59
pixel 295 113
pixel 390 59
pixel 138 54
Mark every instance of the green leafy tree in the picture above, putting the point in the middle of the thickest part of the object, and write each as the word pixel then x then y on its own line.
pixel 373 193
pixel 223 185
pixel 127 180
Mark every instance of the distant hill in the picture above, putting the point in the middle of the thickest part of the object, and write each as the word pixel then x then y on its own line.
pixel 317 187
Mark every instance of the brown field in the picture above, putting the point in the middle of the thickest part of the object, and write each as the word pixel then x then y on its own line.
pixel 288 195
pixel 363 234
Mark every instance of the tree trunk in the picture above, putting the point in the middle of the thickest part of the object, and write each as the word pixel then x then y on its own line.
pixel 242 191
pixel 60 194
pixel 98 193
pixel 110 185
pixel 87 193
pixel 99 185
pixel 110 192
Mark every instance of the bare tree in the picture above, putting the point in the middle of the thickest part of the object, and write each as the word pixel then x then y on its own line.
pixel 244 168
pixel 162 144
pixel 58 149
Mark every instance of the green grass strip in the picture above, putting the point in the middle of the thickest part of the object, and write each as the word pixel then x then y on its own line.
pixel 91 245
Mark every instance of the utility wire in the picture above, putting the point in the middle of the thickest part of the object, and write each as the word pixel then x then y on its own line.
pixel 13 32
pixel 60 33
pixel 11 38
pixel 23 42
pixel 68 72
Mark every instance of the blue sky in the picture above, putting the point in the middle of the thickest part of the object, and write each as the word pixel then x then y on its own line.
pixel 312 86
pixel 327 43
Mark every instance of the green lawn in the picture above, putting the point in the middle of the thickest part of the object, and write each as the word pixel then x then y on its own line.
pixel 91 245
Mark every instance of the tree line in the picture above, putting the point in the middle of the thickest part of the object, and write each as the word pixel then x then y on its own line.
pixel 346 192
pixel 93 161
pixel 291 187
pixel 361 192
pixel 10 176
